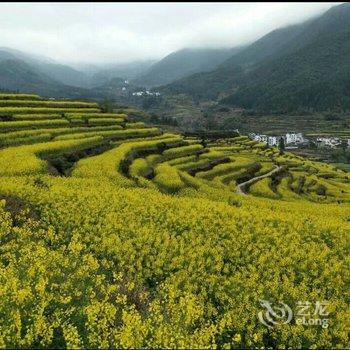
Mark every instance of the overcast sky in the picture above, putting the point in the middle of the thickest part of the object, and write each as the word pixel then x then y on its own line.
pixel 120 32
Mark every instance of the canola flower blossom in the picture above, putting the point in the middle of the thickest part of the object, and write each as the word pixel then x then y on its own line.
pixel 147 245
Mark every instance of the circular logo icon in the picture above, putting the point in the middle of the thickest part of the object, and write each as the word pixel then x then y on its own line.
pixel 274 314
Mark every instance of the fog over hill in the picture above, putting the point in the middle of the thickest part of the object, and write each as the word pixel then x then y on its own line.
pixel 304 66
pixel 106 33
pixel 295 66
pixel 183 63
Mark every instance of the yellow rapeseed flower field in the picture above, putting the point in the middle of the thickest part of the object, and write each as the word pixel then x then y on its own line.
pixel 132 249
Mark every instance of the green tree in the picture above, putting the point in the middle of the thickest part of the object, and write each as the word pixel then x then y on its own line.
pixel 107 105
pixel 344 144
pixel 281 145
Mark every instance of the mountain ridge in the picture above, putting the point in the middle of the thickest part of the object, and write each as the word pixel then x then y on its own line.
pixel 184 62
pixel 241 74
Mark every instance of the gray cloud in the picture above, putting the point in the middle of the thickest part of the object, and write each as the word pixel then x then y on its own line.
pixel 120 32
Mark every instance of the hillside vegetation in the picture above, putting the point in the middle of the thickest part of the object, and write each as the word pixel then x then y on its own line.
pixel 37 74
pixel 117 235
pixel 183 63
pixel 17 75
pixel 301 68
pixel 59 73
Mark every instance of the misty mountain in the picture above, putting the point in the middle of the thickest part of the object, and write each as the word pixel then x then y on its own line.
pixel 104 74
pixel 182 63
pixel 29 58
pixel 271 45
pixel 301 66
pixel 86 77
pixel 59 72
pixel 63 74
pixel 316 77
pixel 16 75
pixel 5 55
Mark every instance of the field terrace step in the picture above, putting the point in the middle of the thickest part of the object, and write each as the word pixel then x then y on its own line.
pixel 4 96
pixel 115 134
pixel 114 164
pixel 32 124
pixel 234 163
pixel 49 104
pixel 46 110
pixel 262 188
pixel 154 156
pixel 240 175
pixel 19 137
pixel 208 166
pixel 28 160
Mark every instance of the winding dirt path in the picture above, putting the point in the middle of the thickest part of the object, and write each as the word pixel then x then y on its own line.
pixel 240 188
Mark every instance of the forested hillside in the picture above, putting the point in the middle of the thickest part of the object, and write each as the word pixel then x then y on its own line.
pixel 16 75
pixel 183 63
pixel 299 68
pixel 314 78
pixel 49 73
pixel 127 71
pixel 61 73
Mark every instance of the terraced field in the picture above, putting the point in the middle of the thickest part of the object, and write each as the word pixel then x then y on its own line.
pixel 44 134
pixel 117 235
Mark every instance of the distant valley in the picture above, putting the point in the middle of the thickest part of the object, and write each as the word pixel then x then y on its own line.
pixel 299 70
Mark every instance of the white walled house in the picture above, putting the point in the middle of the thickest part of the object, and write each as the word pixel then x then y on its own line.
pixel 293 137
pixel 252 135
pixel 331 142
pixel 272 141
pixel 260 138
pixel 299 137
pixel 263 138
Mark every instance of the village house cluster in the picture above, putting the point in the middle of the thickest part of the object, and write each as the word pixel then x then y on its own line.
pixel 290 138
pixel 146 93
pixel 331 142
pixel 293 140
